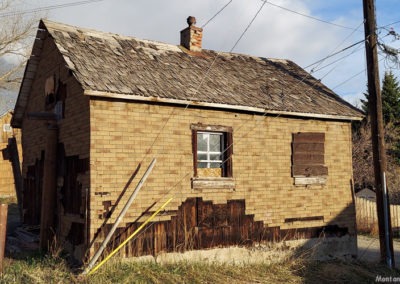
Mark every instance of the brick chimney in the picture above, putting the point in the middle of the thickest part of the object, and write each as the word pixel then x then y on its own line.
pixel 191 36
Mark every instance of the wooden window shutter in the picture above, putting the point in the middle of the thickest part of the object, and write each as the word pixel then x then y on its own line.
pixel 308 150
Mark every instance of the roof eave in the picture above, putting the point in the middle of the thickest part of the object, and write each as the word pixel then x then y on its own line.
pixel 130 97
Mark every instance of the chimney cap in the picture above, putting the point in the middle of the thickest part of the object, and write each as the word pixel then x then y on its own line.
pixel 191 21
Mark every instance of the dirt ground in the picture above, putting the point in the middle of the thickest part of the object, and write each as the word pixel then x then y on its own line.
pixel 12 218
pixel 368 249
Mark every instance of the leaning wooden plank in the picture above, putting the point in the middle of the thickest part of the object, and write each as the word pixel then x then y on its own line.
pixel 119 219
pixel 87 271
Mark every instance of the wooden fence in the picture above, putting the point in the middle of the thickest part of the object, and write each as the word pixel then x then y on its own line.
pixel 367 218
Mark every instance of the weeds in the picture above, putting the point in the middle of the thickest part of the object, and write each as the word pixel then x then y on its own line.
pixel 193 272
pixel 48 269
pixel 37 269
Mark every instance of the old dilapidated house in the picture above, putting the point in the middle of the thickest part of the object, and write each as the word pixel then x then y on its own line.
pixel 252 149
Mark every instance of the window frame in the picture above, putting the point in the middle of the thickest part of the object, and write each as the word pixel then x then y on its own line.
pixel 208 152
pixel 226 179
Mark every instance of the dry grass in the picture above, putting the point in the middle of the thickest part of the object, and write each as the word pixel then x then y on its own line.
pixel 194 272
pixel 44 269
pixel 36 269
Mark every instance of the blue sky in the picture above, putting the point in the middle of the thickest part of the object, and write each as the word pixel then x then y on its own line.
pixel 275 33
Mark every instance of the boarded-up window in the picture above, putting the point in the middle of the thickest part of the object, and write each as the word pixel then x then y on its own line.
pixel 308 158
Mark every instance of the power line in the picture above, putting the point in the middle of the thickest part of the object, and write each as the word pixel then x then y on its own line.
pixel 212 18
pixel 322 60
pixel 333 54
pixel 355 75
pixel 46 8
pixel 344 82
pixel 307 16
pixel 248 26
pixel 343 41
pixel 389 24
pixel 337 60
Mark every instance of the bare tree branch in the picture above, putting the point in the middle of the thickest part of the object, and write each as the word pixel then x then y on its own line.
pixel 16 37
pixel 363 171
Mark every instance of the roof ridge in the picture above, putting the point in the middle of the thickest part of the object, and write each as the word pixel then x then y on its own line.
pixel 52 25
pixel 93 32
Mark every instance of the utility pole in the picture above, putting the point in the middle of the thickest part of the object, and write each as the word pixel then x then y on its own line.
pixel 378 135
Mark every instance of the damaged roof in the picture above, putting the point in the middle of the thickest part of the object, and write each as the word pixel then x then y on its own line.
pixel 111 65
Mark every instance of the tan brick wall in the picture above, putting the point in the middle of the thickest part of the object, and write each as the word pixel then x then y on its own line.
pixel 122 136
pixel 7 187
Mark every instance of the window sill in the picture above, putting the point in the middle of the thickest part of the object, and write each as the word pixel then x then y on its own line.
pixel 213 182
pixel 301 181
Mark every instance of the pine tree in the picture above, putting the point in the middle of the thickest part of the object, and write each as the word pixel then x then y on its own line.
pixel 362 158
pixel 390 99
pixel 365 104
